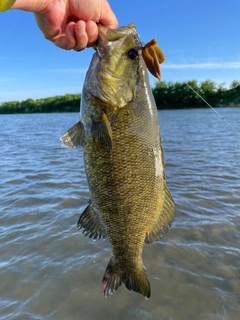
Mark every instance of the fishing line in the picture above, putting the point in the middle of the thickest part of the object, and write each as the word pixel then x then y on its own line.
pixel 208 104
pixel 228 123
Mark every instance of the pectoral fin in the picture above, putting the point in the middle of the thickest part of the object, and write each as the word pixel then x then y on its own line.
pixel 165 218
pixel 90 223
pixel 74 136
pixel 101 129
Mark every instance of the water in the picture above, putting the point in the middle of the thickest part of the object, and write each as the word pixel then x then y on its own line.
pixel 48 270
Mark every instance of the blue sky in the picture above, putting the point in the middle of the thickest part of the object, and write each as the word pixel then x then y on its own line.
pixel 199 38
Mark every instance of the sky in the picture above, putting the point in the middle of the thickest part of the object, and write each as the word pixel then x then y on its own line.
pixel 200 39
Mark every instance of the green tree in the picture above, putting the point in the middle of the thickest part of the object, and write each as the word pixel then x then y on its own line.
pixel 234 84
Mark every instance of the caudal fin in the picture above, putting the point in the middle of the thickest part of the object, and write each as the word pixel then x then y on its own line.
pixel 135 280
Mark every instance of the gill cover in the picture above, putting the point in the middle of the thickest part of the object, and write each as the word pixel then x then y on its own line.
pixel 113 76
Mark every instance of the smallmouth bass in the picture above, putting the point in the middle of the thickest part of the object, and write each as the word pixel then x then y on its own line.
pixel 123 155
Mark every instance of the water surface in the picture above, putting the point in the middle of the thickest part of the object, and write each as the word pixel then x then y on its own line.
pixel 48 270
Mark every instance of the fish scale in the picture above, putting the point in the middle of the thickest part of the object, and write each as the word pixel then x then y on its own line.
pixel 123 156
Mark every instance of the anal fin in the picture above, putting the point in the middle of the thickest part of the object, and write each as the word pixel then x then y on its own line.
pixel 165 218
pixel 90 223
pixel 74 136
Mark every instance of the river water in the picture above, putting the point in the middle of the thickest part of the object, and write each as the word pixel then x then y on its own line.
pixel 49 270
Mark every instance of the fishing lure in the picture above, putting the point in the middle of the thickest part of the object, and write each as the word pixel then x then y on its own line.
pixel 153 56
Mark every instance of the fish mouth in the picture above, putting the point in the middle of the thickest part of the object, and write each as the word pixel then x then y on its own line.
pixel 102 31
pixel 108 37
pixel 114 34
pixel 102 42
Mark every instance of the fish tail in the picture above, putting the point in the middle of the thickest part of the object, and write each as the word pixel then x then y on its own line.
pixel 135 280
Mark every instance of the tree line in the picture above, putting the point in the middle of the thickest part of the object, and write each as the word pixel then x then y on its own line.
pixel 188 94
pixel 167 95
pixel 66 103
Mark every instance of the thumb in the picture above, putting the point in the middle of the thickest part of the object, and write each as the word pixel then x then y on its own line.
pixel 108 18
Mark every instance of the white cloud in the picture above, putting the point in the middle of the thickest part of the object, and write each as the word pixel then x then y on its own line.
pixel 206 65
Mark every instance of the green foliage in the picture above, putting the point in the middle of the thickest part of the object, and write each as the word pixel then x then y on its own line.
pixel 180 95
pixel 67 103
pixel 167 95
pixel 234 84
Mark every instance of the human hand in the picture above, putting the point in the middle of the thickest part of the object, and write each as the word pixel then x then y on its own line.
pixel 71 24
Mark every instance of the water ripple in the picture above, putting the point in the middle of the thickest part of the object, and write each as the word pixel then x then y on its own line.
pixel 49 270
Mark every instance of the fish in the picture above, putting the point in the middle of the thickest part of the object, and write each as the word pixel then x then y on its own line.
pixel 119 132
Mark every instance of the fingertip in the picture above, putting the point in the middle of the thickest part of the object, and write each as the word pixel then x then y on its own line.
pixel 109 23
pixel 108 18
pixel 113 24
pixel 80 35
pixel 67 40
pixel 92 33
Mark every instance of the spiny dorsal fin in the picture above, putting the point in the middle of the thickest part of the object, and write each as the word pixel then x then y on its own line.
pixel 74 136
pixel 165 218
pixel 90 223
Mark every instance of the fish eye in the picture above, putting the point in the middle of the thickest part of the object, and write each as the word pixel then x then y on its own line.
pixel 133 53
